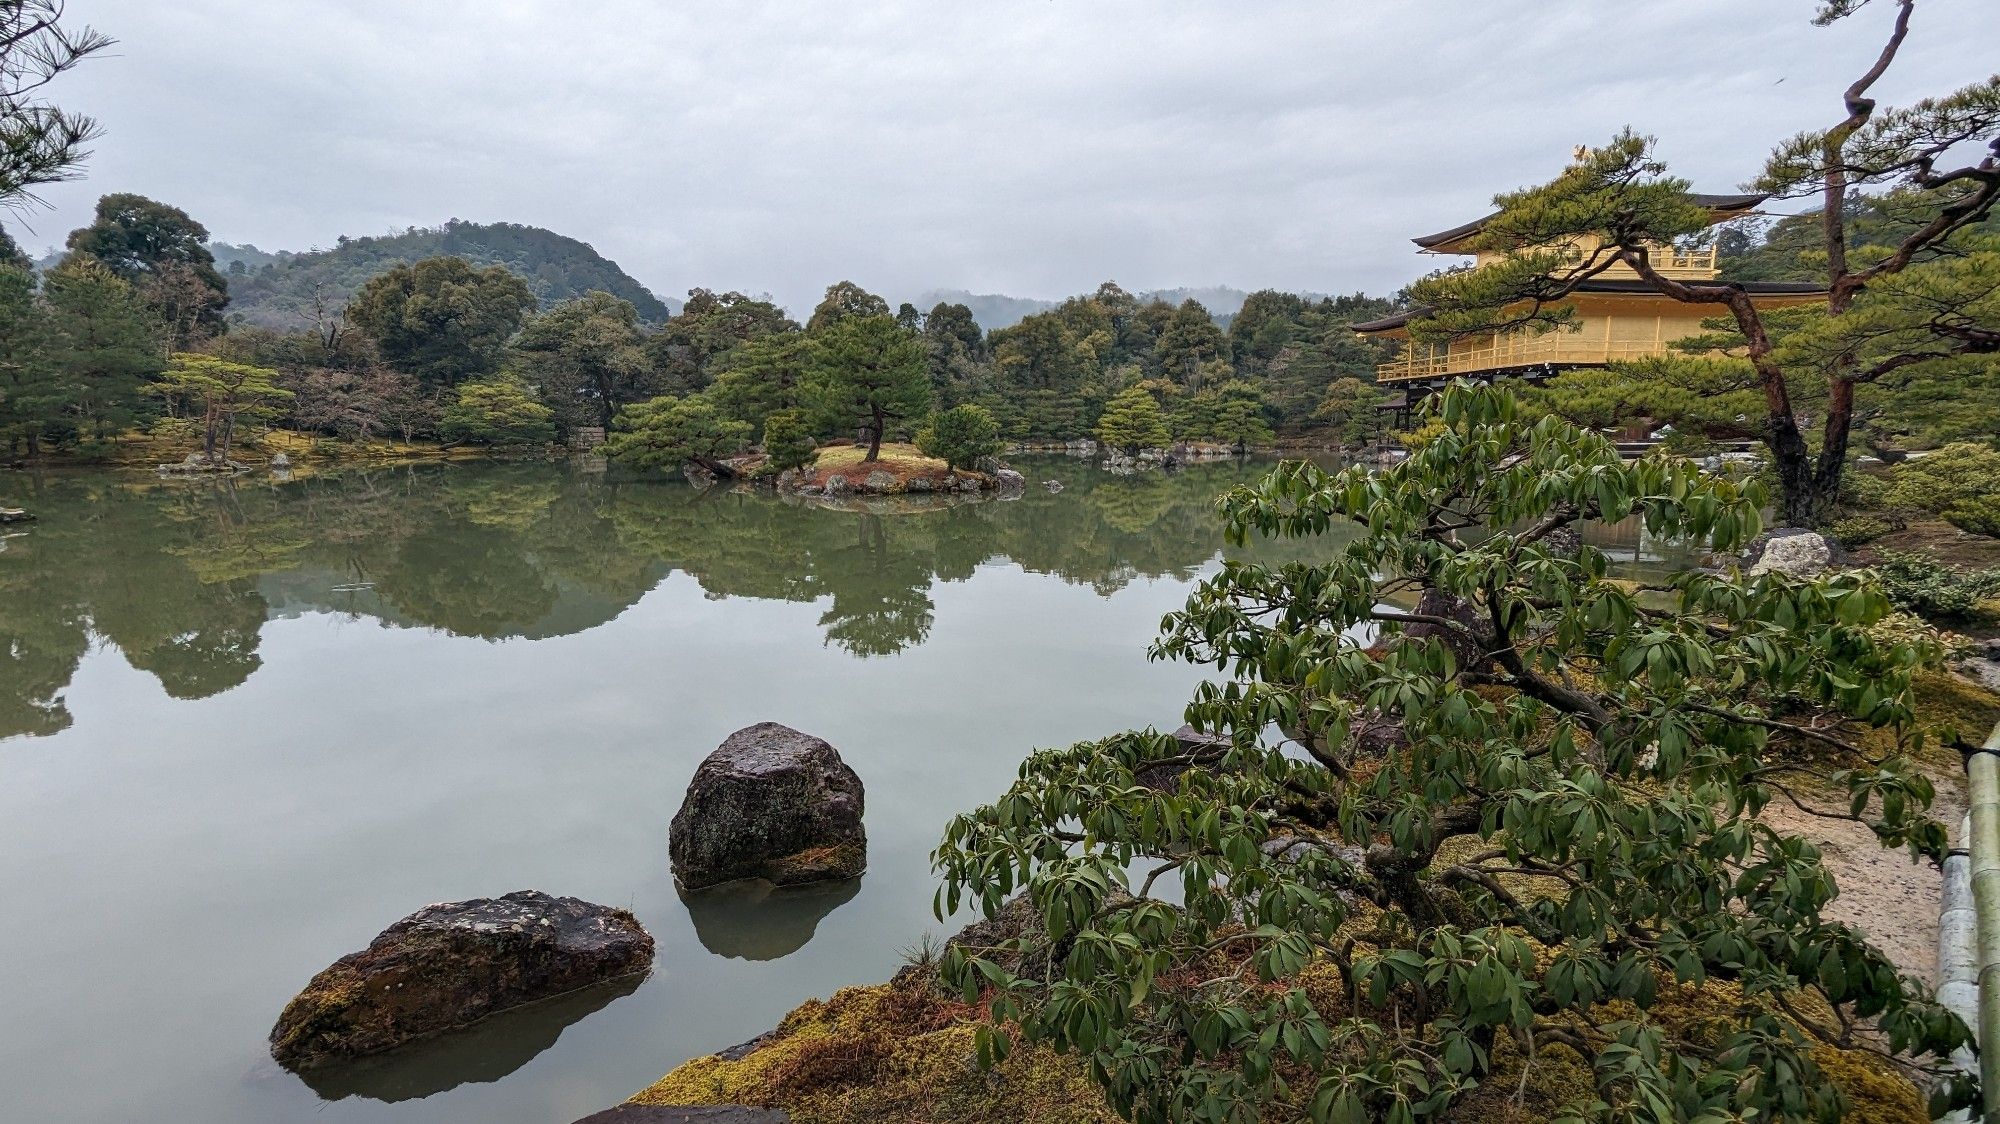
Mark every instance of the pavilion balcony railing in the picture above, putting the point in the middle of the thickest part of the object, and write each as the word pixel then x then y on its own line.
pixel 1670 260
pixel 1555 348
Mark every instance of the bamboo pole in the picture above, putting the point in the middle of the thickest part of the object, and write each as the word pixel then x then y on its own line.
pixel 1982 769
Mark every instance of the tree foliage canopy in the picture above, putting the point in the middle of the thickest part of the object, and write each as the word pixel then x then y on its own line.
pixel 500 410
pixel 588 357
pixel 1512 797
pixel 1133 421
pixel 225 393
pixel 867 371
pixel 668 432
pixel 961 436
pixel 286 290
pixel 442 319
pixel 1913 308
pixel 40 142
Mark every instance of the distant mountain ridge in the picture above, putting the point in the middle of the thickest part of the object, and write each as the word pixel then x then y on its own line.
pixel 280 290
pixel 997 310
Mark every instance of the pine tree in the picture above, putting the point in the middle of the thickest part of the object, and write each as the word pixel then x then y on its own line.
pixel 226 393
pixel 1239 416
pixel 1132 421
pixel 29 401
pixel 668 432
pixel 868 371
pixel 1918 306
pixel 103 348
pixel 787 440
pixel 960 436
pixel 498 411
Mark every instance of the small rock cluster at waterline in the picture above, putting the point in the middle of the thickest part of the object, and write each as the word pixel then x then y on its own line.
pixel 449 965
pixel 770 803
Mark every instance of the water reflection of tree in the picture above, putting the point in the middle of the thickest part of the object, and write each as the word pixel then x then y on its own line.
pixel 180 577
pixel 880 594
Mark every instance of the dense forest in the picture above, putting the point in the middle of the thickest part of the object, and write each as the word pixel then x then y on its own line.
pixel 281 290
pixel 510 335
pixel 994 311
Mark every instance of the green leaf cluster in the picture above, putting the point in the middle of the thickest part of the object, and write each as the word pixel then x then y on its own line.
pixel 961 436
pixel 1132 421
pixel 500 410
pixel 669 432
pixel 1482 785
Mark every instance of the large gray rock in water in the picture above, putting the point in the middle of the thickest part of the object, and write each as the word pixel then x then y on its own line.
pixel 1801 554
pixel 771 803
pixel 449 965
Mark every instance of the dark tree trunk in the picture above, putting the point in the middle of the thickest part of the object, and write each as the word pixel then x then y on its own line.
pixel 208 437
pixel 715 468
pixel 876 423
pixel 1809 486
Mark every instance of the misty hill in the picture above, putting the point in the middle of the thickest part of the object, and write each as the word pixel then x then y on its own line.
pixel 997 310
pixel 278 289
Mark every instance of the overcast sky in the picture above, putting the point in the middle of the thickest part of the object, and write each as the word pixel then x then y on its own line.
pixel 1031 148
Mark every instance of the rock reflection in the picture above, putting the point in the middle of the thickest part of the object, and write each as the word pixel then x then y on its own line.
pixel 754 920
pixel 486 1051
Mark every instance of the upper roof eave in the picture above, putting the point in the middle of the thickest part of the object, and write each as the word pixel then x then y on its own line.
pixel 1727 204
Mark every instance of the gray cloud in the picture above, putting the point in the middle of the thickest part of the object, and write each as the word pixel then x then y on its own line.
pixel 1033 147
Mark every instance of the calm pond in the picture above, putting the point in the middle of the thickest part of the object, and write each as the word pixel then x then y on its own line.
pixel 244 727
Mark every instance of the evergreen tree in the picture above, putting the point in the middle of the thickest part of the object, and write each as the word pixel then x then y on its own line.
pixel 1046 367
pixel 845 300
pixel 688 350
pixel 40 143
pixel 955 354
pixel 787 440
pixel 868 372
pixel 1132 421
pixel 588 359
pixel 442 319
pixel 225 393
pixel 1190 343
pixel 1919 305
pixel 762 377
pixel 499 410
pixel 163 253
pixel 669 432
pixel 30 398
pixel 1349 409
pixel 102 347
pixel 960 436
pixel 11 254
pixel 1237 418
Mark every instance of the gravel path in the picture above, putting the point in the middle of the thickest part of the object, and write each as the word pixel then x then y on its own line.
pixel 1882 892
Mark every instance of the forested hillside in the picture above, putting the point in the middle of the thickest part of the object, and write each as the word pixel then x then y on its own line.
pixel 281 290
pixel 994 311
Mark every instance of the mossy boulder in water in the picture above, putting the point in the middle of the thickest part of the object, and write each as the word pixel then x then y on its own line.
pixel 771 803
pixel 449 965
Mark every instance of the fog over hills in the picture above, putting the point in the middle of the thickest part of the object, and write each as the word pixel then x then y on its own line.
pixel 997 310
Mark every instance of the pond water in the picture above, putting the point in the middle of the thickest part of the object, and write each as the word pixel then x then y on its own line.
pixel 244 727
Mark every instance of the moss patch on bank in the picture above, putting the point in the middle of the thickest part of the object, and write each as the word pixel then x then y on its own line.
pixel 900 1053
pixel 903 462
pixel 888 1054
